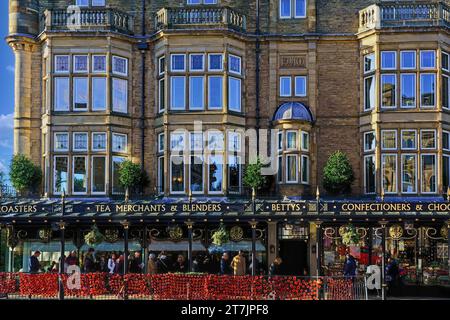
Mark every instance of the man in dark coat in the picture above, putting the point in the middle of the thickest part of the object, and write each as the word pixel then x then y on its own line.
pixel 35 265
pixel 225 268
pixel 89 261
pixel 136 264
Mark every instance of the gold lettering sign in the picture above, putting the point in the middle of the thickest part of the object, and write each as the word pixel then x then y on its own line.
pixel 18 209
pixel 287 62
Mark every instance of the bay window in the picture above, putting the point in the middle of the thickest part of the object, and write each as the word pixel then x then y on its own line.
pixel 60 174
pixel 234 173
pixel 305 169
pixel 215 92
pixel 389 172
pixel 80 141
pixel 196 141
pixel 388 90
pixel 445 61
pixel 234 94
pixel 116 186
pixel 119 142
pixel 305 141
pixel 369 141
pixel 196 93
pixel 178 93
pixel 234 64
pixel 408 90
pixel 215 62
pixel 427 59
pixel 120 66
pixel 388 139
pixel 291 168
pixel 445 92
pixel 98 94
pixel 162 95
pixel 177 141
pixel 98 63
pixel 407 60
pixel 196 173
pixel 388 60
pixel 369 93
pixel 98 141
pixel 62 94
pixel 177 174
pixel 162 65
pixel 62 64
pixel 428 139
pixel 427 89
pixel 409 139
pixel 80 64
pixel 98 175
pixel 120 95
pixel 178 62
pixel 291 140
pixel 369 63
pixel 61 142
pixel 80 94
pixel 428 169
pixel 409 169
pixel 215 170
pixel 197 62
pixel 280 140
pixel 234 141
pixel 79 175
pixel 161 138
pixel 445 140
pixel 369 174
pixel 215 141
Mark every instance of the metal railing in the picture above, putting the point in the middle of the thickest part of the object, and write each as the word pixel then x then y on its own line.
pixel 178 18
pixel 170 286
pixel 87 19
pixel 404 14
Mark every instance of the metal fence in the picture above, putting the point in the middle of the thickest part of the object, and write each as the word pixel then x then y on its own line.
pixel 104 286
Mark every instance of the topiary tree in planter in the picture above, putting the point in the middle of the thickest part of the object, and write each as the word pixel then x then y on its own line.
pixel 338 174
pixel 130 176
pixel 25 176
pixel 253 177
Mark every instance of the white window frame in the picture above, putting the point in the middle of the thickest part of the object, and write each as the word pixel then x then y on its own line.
pixel 216 133
pixel 280 12
pixel 448 139
pixel 382 143
pixel 295 9
pixel 364 140
pixel 302 135
pixel 401 91
pixel 285 78
pixel 93 64
pixel 87 141
pixel 125 74
pixel 240 94
pixel 161 108
pixel 210 91
pixel 299 94
pixel 114 108
pixel 448 92
pixel 208 173
pixel 448 59
pixel 396 172
pixel 161 145
pixel 191 62
pixel 203 173
pixel 229 64
pixel 395 59
pixel 415 139
pixel 177 134
pixel 93 93
pixel 304 156
pixel 92 175
pixel 55 140
pixel 99 5
pixel 74 109
pixel 287 168
pixel 192 94
pixel 434 62
pixel 94 148
pixel 55 100
pixel 73 174
pixel 435 91
pixel 74 63
pixel 114 160
pixel 435 173
pixel 209 61
pixel 171 93
pixel 56 63
pixel 365 174
pixel 54 174
pixel 402 156
pixel 296 140
pixel 125 149
pixel 172 69
pixel 396 91
pixel 232 134
pixel 184 175
pixel 374 93
pixel 401 60
pixel 374 62
pixel 80 4
pixel 162 71
pixel 435 139
pixel 192 146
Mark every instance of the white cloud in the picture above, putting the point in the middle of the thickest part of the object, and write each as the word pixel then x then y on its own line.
pixel 7 121
pixel 3 167
pixel 11 68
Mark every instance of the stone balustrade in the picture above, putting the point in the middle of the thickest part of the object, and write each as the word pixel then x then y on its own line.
pixel 179 18
pixel 404 14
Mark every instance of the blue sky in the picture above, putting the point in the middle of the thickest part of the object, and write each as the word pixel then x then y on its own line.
pixel 6 91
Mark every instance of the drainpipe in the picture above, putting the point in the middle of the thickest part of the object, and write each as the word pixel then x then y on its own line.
pixel 143 47
pixel 257 70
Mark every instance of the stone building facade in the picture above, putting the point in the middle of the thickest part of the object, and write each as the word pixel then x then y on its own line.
pixel 100 81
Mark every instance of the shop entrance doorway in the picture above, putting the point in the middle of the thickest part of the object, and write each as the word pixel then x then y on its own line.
pixel 294 254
